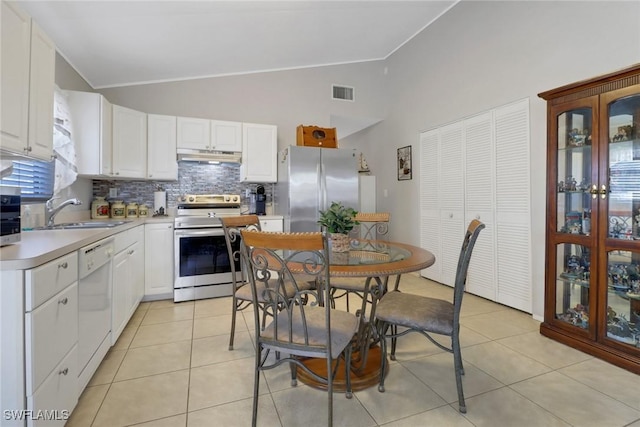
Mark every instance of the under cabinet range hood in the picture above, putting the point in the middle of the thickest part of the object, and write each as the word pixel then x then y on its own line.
pixel 203 156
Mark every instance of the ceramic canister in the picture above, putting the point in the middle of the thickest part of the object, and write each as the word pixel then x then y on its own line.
pixel 143 211
pixel 132 210
pixel 118 209
pixel 99 208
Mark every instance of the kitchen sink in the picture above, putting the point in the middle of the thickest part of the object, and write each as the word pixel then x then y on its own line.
pixel 82 225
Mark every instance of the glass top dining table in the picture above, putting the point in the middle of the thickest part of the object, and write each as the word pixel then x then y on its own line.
pixel 378 258
pixel 372 260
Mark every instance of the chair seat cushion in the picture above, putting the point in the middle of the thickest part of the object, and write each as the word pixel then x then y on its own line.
pixel 356 285
pixel 343 327
pixel 416 312
pixel 244 292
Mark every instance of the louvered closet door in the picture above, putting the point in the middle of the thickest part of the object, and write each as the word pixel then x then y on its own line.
pixel 451 196
pixel 429 203
pixel 480 201
pixel 513 218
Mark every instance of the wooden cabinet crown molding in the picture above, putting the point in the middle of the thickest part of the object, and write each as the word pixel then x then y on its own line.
pixel 593 86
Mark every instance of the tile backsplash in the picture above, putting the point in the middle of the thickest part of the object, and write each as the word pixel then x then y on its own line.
pixel 193 178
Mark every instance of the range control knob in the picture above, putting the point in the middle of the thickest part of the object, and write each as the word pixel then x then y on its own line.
pixel 227 198
pixel 191 199
pixel 235 198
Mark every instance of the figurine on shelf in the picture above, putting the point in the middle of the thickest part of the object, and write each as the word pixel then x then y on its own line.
pixel 623 134
pixel 364 167
pixel 561 187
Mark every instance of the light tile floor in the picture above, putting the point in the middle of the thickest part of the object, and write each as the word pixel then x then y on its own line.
pixel 171 367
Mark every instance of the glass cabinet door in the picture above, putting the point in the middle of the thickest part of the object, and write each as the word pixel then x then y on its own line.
pixel 623 205
pixel 573 277
pixel 623 297
pixel 574 172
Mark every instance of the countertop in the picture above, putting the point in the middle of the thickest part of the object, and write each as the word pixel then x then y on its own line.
pixel 38 247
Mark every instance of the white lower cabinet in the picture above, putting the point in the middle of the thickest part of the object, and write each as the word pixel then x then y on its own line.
pixel 128 278
pixel 58 393
pixel 271 224
pixel 158 277
pixel 51 340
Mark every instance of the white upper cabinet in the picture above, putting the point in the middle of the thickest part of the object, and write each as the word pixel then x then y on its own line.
pixel 209 135
pixel 226 136
pixel 129 143
pixel 28 70
pixel 259 153
pixel 161 147
pixel 92 121
pixel 194 134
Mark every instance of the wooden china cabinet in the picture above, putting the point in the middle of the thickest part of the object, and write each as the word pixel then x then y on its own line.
pixel 592 292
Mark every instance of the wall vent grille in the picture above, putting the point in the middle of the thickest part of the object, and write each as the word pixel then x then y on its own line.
pixel 344 93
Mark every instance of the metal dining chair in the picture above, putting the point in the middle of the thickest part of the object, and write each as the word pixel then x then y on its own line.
pixel 416 313
pixel 241 297
pixel 302 327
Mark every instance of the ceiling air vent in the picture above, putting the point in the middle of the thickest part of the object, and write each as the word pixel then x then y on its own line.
pixel 344 93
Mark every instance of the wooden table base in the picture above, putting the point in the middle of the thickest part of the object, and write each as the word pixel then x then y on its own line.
pixel 368 377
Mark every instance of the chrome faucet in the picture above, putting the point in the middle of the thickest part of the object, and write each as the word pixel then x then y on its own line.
pixel 51 212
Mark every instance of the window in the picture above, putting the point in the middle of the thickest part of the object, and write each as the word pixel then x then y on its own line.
pixel 35 178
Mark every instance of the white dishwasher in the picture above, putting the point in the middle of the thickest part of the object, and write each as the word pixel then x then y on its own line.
pixel 94 307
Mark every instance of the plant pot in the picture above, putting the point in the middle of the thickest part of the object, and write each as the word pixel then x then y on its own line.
pixel 339 242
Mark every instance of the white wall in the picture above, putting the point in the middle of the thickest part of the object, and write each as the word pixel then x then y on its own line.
pixel 479 55
pixel 484 54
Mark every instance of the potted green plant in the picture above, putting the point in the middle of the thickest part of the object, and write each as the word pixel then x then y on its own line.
pixel 338 220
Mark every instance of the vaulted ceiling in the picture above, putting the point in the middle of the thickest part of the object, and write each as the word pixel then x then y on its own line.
pixel 120 43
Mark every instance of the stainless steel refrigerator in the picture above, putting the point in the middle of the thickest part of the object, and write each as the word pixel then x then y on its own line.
pixel 309 179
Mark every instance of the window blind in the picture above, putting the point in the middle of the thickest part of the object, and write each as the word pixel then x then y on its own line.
pixel 35 178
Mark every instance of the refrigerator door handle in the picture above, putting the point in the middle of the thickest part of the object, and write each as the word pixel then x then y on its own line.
pixel 322 185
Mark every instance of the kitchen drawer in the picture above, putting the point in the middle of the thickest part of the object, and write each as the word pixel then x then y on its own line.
pixel 47 280
pixel 58 394
pixel 127 238
pixel 50 331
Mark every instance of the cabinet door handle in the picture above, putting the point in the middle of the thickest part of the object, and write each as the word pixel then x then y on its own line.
pixel 603 192
pixel 64 371
pixel 594 191
pixel 131 252
pixel 63 301
pixel 63 265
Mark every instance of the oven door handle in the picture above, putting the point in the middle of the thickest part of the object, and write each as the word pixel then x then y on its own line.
pixel 207 232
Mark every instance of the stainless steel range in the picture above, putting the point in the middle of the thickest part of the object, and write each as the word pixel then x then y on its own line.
pixel 202 264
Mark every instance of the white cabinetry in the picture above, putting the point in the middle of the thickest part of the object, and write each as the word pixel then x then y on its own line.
pixel 271 223
pixel 161 147
pixel 226 136
pixel 209 135
pixel 477 168
pixel 159 276
pixel 128 278
pixel 194 134
pixel 259 153
pixel 129 143
pixel 91 114
pixel 27 73
pixel 51 337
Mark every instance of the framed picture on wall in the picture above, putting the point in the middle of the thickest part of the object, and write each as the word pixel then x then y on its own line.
pixel 404 163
